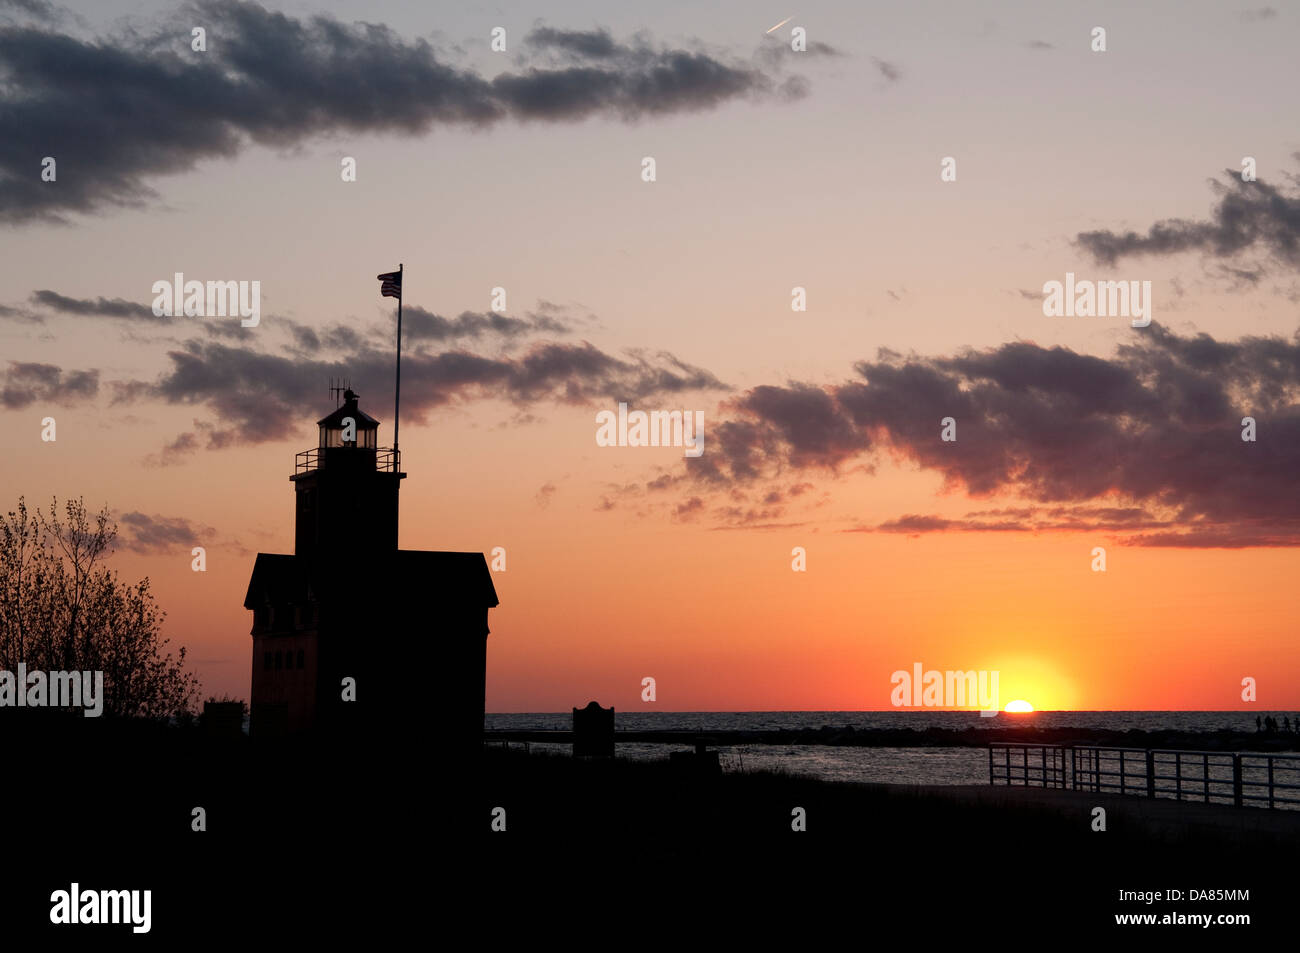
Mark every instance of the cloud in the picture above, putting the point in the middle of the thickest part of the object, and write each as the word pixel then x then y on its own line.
pixel 26 383
pixel 888 70
pixel 775 51
pixel 20 314
pixel 1254 16
pixel 1039 45
pixel 1089 519
pixel 304 338
pixel 589 44
pixel 740 517
pixel 156 534
pixel 186 444
pixel 1216 538
pixel 97 307
pixel 418 325
pixel 1149 439
pixel 271 79
pixel 689 509
pixel 1249 216
pixel 426 326
pixel 255 397
pixel 38 9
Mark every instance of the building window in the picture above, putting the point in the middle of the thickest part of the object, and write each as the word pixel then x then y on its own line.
pixel 266 661
pixel 279 660
pixel 300 658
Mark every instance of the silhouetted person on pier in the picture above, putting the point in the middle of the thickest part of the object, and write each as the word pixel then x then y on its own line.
pixel 1258 725
pixel 1286 723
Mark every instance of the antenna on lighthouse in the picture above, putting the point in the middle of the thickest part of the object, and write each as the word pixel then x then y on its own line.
pixel 338 385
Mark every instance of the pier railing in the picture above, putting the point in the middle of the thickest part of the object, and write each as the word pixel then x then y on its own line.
pixel 1240 778
pixel 1045 769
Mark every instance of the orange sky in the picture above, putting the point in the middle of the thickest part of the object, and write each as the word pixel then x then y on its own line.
pixel 837 191
pixel 592 602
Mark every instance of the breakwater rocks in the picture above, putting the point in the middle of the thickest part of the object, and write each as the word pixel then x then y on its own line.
pixel 848 736
pixel 1223 740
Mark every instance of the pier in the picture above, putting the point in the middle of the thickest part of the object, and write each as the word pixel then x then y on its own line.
pixel 1239 778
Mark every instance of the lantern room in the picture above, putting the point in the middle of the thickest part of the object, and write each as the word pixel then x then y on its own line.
pixel 349 426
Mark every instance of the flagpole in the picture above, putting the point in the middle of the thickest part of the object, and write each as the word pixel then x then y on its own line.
pixel 397 396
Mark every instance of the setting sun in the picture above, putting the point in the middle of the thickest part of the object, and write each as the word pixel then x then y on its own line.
pixel 1019 705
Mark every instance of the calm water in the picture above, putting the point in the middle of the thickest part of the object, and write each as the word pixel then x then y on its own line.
pixel 888 765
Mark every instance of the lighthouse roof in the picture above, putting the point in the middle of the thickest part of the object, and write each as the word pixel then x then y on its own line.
pixel 418 575
pixel 349 409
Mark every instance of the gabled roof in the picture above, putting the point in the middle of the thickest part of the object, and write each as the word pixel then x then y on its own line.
pixel 277 578
pixel 463 576
pixel 457 577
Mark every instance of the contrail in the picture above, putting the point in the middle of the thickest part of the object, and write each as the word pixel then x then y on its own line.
pixel 782 23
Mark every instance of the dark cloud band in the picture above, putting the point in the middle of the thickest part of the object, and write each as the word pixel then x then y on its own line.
pixel 116 112
pixel 1153 433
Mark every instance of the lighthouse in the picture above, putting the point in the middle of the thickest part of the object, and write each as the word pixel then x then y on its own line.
pixel 353 636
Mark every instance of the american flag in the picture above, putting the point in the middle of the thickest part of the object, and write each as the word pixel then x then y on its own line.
pixel 392 285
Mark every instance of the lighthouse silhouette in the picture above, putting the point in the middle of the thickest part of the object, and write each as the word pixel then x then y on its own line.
pixel 353 637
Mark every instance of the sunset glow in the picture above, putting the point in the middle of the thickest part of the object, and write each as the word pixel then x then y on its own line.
pixel 1019 706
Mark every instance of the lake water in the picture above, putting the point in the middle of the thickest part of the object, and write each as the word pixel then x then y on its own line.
pixel 929 765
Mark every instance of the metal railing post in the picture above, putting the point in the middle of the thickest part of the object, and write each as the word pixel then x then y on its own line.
pixel 1236 780
pixel 1151 773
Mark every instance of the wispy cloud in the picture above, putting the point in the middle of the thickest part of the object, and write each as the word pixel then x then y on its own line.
pixel 96 307
pixel 26 383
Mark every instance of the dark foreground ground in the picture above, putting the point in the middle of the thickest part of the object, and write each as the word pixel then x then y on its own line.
pixel 386 844
pixel 997 859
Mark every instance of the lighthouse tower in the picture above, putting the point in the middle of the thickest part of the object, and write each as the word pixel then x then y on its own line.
pixel 347 487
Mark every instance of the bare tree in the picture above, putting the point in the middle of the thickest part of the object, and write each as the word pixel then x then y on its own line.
pixel 62 609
